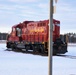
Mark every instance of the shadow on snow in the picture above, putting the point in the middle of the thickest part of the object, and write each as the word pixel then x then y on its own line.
pixel 67 56
pixel 28 52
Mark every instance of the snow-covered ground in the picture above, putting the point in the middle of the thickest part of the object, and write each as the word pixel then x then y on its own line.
pixel 17 63
pixel 2 41
pixel 65 64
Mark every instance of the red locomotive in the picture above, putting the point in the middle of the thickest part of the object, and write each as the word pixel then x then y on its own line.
pixel 34 36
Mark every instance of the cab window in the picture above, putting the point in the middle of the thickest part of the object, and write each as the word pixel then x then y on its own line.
pixel 18 32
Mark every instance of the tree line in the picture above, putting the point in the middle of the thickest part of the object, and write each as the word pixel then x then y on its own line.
pixel 71 37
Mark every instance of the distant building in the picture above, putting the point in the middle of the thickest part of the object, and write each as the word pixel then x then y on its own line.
pixel 3 36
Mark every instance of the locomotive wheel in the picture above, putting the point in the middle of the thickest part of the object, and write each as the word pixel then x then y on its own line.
pixel 13 47
pixel 34 50
pixel 54 53
pixel 42 49
pixel 8 45
pixel 26 47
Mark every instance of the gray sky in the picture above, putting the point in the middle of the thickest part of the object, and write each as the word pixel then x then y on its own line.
pixel 15 11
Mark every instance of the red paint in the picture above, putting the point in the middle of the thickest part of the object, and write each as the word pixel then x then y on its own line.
pixel 35 31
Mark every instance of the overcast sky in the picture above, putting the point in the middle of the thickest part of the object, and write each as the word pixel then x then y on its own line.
pixel 15 11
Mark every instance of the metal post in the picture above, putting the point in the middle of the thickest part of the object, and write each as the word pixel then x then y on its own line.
pixel 50 37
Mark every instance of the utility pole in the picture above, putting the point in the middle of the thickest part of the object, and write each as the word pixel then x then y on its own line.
pixel 50 36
